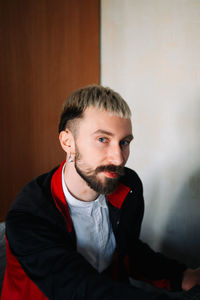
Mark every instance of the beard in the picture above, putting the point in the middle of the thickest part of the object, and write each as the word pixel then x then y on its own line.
pixel 90 176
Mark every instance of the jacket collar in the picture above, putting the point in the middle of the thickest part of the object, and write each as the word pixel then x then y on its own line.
pixel 116 198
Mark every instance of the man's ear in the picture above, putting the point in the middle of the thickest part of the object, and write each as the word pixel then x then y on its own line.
pixel 67 141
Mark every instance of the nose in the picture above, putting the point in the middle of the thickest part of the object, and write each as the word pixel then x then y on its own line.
pixel 115 156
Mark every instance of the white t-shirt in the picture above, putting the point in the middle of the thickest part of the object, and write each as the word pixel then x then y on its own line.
pixel 95 237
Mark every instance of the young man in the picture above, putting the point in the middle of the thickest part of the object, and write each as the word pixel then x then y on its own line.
pixel 74 233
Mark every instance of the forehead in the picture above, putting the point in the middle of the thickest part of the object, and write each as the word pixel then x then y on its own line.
pixel 95 119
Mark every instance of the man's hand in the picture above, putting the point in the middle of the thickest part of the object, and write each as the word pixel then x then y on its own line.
pixel 191 278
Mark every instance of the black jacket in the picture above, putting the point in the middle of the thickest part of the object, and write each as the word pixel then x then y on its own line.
pixel 41 237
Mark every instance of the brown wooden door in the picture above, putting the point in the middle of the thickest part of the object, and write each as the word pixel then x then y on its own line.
pixel 48 48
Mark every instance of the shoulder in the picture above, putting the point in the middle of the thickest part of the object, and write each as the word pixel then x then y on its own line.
pixel 35 195
pixel 33 210
pixel 131 179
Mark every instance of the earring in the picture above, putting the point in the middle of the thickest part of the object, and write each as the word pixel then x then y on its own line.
pixel 70 159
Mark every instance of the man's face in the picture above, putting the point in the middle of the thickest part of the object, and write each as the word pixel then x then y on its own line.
pixel 102 149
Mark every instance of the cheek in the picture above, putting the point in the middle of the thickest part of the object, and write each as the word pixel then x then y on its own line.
pixel 126 154
pixel 88 157
pixel 91 153
pixel 94 149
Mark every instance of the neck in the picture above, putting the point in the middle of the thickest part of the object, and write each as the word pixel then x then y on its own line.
pixel 76 185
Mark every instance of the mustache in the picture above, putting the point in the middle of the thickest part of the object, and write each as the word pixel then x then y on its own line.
pixel 111 168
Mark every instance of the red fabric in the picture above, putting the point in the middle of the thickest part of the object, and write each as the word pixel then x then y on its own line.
pixel 17 285
pixel 118 196
pixel 59 197
pixel 161 283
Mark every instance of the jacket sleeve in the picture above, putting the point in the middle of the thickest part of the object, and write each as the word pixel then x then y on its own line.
pixel 145 262
pixel 150 265
pixel 48 257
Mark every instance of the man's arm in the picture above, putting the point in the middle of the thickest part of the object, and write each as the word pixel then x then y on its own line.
pixel 150 265
pixel 145 263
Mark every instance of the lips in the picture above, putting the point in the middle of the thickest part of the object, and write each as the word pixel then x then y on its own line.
pixel 111 174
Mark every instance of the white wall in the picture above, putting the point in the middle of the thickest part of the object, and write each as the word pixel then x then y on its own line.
pixel 150 54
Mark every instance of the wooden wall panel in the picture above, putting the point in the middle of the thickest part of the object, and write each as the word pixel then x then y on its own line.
pixel 47 49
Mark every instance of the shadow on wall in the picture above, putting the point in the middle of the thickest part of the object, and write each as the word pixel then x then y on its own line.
pixel 182 228
pixel 172 186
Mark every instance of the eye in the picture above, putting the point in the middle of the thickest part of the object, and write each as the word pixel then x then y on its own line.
pixel 103 140
pixel 124 143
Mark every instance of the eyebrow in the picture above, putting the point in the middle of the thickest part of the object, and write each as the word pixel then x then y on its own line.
pixel 101 131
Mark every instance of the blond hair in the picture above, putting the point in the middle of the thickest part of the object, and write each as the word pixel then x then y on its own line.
pixel 102 98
